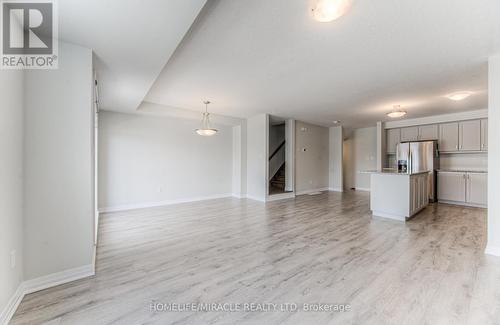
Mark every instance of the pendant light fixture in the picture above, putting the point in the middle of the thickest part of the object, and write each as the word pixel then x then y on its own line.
pixel 205 129
pixel 397 112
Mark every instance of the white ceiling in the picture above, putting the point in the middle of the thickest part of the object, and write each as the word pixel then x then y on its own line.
pixel 251 57
pixel 132 40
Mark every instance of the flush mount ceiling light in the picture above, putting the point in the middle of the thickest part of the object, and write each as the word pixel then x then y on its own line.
pixel 328 10
pixel 459 95
pixel 336 122
pixel 397 112
pixel 205 129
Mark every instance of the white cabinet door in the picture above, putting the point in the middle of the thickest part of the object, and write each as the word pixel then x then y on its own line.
pixel 409 134
pixel 484 135
pixel 428 132
pixel 451 186
pixel 477 188
pixel 393 139
pixel 470 135
pixel 448 137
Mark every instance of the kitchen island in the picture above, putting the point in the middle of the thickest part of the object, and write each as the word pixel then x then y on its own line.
pixel 398 196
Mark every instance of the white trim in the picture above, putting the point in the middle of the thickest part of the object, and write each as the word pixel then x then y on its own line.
pixel 492 250
pixel 255 198
pixel 239 196
pixel 335 189
pixel 42 283
pixel 281 196
pixel 322 189
pixel 436 119
pixel 58 278
pixel 363 189
pixel 388 216
pixel 465 204
pixel 162 203
pixel 12 305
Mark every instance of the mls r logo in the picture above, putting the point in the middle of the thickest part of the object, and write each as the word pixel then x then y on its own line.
pixel 27 28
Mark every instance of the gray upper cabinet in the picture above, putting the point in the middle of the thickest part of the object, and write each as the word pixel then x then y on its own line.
pixel 428 132
pixel 393 138
pixel 453 137
pixel 448 137
pixel 470 135
pixel 409 134
pixel 484 135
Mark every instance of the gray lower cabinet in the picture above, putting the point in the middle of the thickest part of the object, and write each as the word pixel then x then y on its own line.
pixel 451 186
pixel 467 188
pixel 419 195
pixel 477 188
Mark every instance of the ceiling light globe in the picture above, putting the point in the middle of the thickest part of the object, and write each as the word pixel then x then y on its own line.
pixel 396 114
pixel 459 95
pixel 328 10
pixel 206 132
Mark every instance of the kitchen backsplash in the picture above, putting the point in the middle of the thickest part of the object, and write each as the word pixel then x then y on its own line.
pixel 473 161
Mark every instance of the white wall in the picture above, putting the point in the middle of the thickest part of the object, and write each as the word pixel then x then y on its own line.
pixel 311 165
pixel 150 160
pixel 237 162
pixel 58 193
pixel 360 154
pixel 493 246
pixel 11 181
pixel 336 177
pixel 257 156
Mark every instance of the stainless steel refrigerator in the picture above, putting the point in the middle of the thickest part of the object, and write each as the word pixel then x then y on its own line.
pixel 415 157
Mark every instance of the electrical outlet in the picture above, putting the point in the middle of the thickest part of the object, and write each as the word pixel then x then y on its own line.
pixel 13 259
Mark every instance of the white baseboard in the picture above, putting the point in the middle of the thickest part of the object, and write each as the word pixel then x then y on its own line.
pixel 239 196
pixel 42 283
pixel 492 250
pixel 363 189
pixel 388 216
pixel 323 189
pixel 256 198
pixel 162 203
pixel 335 189
pixel 12 305
pixel 463 204
pixel 281 196
pixel 58 278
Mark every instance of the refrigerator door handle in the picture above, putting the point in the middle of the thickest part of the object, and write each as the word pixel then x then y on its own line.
pixel 410 161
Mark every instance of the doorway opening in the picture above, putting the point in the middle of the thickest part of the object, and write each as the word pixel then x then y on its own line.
pixel 280 166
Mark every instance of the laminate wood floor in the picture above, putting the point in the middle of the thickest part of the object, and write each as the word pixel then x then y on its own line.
pixel 314 249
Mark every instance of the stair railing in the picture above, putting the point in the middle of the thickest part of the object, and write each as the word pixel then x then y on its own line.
pixel 276 160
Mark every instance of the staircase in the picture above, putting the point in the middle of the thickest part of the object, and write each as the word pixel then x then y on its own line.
pixel 278 181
